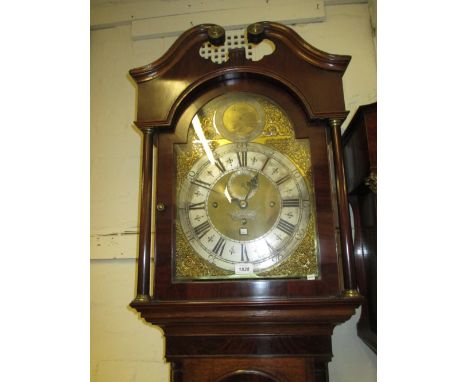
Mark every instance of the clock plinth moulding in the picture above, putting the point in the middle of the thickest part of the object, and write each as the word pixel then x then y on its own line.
pixel 255 328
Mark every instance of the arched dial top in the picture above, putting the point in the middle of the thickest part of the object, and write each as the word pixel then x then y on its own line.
pixel 244 202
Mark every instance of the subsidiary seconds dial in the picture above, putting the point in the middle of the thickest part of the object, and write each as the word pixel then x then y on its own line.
pixel 247 203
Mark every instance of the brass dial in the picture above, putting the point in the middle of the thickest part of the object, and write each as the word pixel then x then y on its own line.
pixel 249 204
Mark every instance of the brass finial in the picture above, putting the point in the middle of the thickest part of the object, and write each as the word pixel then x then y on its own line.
pixel 255 33
pixel 216 35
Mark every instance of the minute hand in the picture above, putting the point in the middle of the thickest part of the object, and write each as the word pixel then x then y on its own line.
pixel 253 185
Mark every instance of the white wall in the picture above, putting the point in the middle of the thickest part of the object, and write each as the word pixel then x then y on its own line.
pixel 123 347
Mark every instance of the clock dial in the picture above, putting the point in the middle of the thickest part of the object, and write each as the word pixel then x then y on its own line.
pixel 248 205
pixel 244 194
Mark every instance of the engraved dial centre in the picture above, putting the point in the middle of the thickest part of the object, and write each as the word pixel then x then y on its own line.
pixel 239 205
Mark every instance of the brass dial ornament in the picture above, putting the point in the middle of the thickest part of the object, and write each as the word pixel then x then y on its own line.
pixel 255 33
pixel 216 35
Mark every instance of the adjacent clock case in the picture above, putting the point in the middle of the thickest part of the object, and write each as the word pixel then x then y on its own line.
pixel 291 105
pixel 360 158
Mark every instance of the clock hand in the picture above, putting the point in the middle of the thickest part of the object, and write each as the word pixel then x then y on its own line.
pixel 253 185
pixel 217 192
pixel 229 197
pixel 206 187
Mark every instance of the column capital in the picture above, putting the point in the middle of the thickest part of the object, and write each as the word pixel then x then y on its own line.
pixel 351 293
pixel 147 130
pixel 335 122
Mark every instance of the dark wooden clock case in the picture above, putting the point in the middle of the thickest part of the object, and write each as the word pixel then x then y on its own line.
pixel 360 158
pixel 246 330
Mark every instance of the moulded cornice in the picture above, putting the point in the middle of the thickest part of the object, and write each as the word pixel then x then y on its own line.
pixel 314 77
pixel 307 52
pixel 172 56
pixel 199 34
pixel 244 69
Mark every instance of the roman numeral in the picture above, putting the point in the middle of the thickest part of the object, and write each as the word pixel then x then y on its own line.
pixel 244 256
pixel 202 229
pixel 220 165
pixel 270 247
pixel 197 206
pixel 282 180
pixel 264 164
pixel 273 251
pixel 242 158
pixel 286 227
pixel 290 202
pixel 201 183
pixel 219 247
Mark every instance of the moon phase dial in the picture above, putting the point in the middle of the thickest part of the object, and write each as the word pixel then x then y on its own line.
pixel 240 117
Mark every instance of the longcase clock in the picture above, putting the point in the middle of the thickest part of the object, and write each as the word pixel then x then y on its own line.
pixel 253 251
